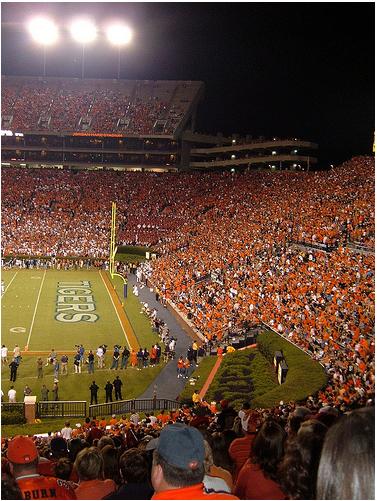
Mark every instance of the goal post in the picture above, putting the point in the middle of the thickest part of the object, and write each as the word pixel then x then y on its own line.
pixel 114 248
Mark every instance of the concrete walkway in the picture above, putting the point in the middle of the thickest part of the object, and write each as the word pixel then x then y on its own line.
pixel 167 385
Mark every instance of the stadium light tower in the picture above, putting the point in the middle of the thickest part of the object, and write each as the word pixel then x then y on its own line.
pixel 44 32
pixel 119 35
pixel 84 32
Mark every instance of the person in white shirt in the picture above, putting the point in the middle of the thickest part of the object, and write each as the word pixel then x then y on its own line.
pixel 100 357
pixel 67 431
pixel 4 355
pixel 152 419
pixel 244 415
pixel 12 395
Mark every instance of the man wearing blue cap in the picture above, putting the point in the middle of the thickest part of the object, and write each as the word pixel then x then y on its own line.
pixel 178 465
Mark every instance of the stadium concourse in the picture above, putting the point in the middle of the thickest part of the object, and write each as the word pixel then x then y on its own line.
pixel 292 250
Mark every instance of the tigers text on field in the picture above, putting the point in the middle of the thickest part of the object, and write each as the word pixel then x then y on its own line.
pixel 74 302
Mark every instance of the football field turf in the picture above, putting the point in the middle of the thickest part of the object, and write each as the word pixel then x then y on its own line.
pixel 44 309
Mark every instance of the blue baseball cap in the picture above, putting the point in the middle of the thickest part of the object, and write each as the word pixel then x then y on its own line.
pixel 181 446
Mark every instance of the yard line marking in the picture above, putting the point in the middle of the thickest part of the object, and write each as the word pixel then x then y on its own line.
pixel 7 287
pixel 36 306
pixel 117 312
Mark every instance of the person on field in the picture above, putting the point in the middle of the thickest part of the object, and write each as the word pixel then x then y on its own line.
pixel 12 395
pixel 64 365
pixel 94 393
pixel 117 383
pixel 77 363
pixel 90 362
pixel 109 392
pixel 39 368
pixel 13 370
pixel 125 357
pixel 100 357
pixel 55 391
pixel 44 393
pixel 116 358
pixel 27 391
pixel 4 355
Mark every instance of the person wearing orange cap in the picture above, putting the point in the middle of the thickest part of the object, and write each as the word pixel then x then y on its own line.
pixel 23 454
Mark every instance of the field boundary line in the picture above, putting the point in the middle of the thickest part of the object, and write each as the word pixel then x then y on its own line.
pixel 122 317
pixel 210 377
pixel 7 287
pixel 35 309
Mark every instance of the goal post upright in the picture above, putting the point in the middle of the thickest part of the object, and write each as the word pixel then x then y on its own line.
pixel 113 248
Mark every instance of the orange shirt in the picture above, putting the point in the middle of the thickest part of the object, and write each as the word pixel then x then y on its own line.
pixel 164 418
pixel 193 492
pixel 40 487
pixel 95 489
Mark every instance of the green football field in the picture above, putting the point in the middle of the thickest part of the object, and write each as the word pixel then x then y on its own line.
pixel 58 309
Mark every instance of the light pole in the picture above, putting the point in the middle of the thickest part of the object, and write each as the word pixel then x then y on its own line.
pixel 44 32
pixel 83 31
pixel 119 35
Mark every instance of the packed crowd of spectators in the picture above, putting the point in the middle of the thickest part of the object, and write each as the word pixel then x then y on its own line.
pixel 131 107
pixel 292 451
pixel 226 245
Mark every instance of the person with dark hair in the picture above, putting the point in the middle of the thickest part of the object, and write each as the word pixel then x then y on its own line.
pixel 134 471
pixel 226 416
pixel 94 393
pixel 258 477
pixel 298 470
pixel 111 463
pixel 117 383
pixel 239 449
pixel 63 468
pixel 178 465
pixel 89 465
pixel 109 392
pixel 13 370
pixel 347 464
pixel 222 464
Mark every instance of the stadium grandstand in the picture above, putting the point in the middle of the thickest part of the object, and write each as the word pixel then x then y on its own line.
pixel 246 236
pixel 127 125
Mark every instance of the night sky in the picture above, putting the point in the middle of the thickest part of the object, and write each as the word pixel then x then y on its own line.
pixel 287 69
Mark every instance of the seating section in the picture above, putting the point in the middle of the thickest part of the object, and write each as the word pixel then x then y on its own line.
pixel 253 235
pixel 108 106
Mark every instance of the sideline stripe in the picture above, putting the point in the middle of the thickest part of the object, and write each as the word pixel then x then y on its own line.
pixel 212 374
pixel 35 309
pixel 7 287
pixel 122 317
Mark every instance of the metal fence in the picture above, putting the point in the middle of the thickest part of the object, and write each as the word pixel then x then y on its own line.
pixel 126 406
pixel 61 409
pixel 17 407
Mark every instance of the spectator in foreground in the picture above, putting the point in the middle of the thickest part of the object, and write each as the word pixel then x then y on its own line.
pixel 258 477
pixel 23 455
pixel 90 469
pixel 298 471
pixel 178 465
pixel 347 465
pixel 134 470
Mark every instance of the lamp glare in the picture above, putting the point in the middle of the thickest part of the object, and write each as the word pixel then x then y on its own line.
pixel 83 31
pixel 43 30
pixel 119 34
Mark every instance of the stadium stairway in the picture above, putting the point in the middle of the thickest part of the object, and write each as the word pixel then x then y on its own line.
pixel 167 385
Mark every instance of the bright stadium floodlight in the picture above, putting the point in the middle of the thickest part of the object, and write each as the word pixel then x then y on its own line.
pixel 119 35
pixel 45 32
pixel 83 31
